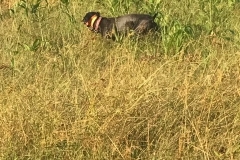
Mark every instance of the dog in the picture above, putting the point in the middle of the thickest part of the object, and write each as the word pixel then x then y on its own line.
pixel 110 27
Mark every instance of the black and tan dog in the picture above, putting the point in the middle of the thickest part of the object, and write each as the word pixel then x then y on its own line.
pixel 109 27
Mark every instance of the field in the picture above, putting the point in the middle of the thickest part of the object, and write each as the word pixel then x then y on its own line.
pixel 67 93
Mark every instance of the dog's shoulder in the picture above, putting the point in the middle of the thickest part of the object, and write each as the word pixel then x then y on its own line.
pixel 107 22
pixel 106 26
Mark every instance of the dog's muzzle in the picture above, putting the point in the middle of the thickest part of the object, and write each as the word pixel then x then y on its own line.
pixel 88 25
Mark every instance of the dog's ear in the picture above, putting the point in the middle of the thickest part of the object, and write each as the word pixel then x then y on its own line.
pixel 98 14
pixel 89 15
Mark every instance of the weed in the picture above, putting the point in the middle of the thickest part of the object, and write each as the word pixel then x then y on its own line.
pixel 66 93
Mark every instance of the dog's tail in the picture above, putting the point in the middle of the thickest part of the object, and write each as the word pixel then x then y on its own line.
pixel 155 15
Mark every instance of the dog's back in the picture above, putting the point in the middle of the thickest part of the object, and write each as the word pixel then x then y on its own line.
pixel 138 22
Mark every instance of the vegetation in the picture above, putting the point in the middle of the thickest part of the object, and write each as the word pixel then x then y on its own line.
pixel 66 93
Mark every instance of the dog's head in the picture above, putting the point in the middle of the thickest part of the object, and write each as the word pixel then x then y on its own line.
pixel 90 18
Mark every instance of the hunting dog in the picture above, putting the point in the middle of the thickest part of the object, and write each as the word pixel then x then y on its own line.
pixel 110 27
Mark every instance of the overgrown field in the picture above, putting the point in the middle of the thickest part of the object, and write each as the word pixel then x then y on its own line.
pixel 67 93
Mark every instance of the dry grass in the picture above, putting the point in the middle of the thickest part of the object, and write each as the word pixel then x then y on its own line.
pixel 66 93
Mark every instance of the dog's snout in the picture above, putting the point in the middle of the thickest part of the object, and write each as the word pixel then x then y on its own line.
pixel 85 23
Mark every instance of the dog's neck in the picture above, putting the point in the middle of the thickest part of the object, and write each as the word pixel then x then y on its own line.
pixel 97 23
pixel 94 22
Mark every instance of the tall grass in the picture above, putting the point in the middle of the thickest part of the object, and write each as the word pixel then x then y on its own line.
pixel 66 93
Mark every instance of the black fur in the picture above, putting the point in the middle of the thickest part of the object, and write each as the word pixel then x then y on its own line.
pixel 108 27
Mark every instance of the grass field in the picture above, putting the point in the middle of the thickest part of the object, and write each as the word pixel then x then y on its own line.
pixel 66 93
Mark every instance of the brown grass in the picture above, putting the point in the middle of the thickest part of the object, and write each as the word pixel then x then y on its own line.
pixel 78 96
